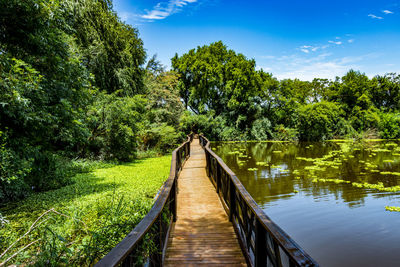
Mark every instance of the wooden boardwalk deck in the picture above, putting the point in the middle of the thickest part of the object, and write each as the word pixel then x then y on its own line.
pixel 202 234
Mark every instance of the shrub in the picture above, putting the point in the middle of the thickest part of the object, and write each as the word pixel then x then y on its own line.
pixel 318 121
pixel 49 171
pixel 161 137
pixel 193 123
pixel 114 124
pixel 13 171
pixel 284 133
pixel 363 119
pixel 261 129
pixel 389 125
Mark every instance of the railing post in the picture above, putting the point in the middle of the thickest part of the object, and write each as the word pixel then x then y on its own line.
pixel 158 257
pixel 218 178
pixel 261 245
pixel 174 195
pixel 207 163
pixel 232 198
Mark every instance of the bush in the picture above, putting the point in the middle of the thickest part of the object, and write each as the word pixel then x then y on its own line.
pixel 114 124
pixel 13 171
pixel 49 171
pixel 345 129
pixel 261 129
pixel 160 137
pixel 193 123
pixel 364 119
pixel 389 125
pixel 318 121
pixel 284 133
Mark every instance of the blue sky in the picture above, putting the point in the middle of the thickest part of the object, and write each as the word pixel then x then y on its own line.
pixel 290 39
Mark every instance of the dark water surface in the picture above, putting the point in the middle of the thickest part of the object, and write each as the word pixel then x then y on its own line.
pixel 341 221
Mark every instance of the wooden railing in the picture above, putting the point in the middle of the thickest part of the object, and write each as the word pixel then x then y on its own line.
pixel 263 242
pixel 146 244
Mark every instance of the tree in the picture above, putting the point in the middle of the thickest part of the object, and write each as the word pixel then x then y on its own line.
pixel 218 79
pixel 351 90
pixel 114 124
pixel 386 94
pixel 318 121
pixel 111 50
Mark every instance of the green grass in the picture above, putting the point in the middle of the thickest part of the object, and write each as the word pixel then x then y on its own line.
pixel 90 216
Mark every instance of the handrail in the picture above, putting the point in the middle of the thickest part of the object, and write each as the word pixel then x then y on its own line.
pixel 263 242
pixel 130 251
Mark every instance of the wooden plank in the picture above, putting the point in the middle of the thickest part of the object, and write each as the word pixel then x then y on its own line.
pixel 202 235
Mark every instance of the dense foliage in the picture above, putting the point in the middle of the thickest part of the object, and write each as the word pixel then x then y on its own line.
pixel 74 84
pixel 83 221
pixel 231 99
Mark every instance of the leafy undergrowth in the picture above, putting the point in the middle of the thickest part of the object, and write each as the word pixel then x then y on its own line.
pixel 78 224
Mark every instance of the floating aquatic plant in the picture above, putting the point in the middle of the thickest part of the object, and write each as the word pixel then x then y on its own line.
pixel 392 208
pixel 381 150
pixel 378 186
pixel 325 180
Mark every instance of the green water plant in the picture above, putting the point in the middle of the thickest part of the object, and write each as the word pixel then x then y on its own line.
pixel 325 180
pixel 379 186
pixel 392 208
pixel 87 218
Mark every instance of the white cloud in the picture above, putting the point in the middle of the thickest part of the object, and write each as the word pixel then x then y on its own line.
pixel 310 48
pixel 307 67
pixel 374 16
pixel 335 42
pixel 165 9
pixel 308 72
pixel 351 41
pixel 387 12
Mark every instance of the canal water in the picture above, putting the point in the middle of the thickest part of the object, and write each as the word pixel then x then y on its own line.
pixel 333 198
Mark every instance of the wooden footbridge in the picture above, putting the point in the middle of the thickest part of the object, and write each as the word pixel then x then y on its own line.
pixel 202 233
pixel 203 216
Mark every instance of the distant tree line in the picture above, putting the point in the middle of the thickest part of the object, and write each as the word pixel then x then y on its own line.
pixel 229 99
pixel 76 83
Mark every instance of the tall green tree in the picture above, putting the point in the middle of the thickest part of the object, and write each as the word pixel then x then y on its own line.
pixel 385 94
pixel 112 51
pixel 218 79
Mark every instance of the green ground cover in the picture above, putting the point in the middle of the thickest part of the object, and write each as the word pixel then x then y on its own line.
pixel 79 223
